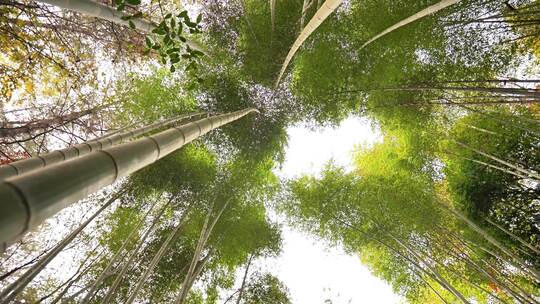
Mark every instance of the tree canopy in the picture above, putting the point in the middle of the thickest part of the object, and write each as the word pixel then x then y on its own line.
pixel 445 208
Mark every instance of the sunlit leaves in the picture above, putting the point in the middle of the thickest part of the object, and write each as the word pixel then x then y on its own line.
pixel 170 43
pixel 265 288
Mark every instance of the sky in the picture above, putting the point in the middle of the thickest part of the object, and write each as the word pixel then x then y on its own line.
pixel 311 270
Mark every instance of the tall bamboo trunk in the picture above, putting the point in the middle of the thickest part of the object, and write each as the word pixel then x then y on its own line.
pixel 516 92
pixel 111 133
pixel 501 121
pixel 101 11
pixel 432 269
pixel 450 235
pixel 75 279
pixel 29 199
pixel 520 240
pixel 155 260
pixel 198 270
pixel 115 258
pixel 196 256
pixel 481 129
pixel 432 288
pixel 421 14
pixel 129 262
pixel 81 270
pixel 322 13
pixel 14 289
pixel 273 15
pixel 305 6
pixel 513 294
pixel 243 285
pixel 517 261
pixel 505 170
pixel 203 239
pixel 462 255
pixel 399 253
pixel 444 245
pixel 530 173
pixel 504 81
pixel 533 93
pixel 100 143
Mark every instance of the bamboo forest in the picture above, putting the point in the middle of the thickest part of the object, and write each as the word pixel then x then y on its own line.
pixel 270 151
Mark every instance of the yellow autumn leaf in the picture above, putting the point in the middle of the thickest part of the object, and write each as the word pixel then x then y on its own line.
pixel 29 87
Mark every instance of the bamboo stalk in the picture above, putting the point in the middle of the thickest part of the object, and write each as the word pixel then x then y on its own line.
pixel 100 143
pixel 129 262
pixel 273 15
pixel 115 258
pixel 242 286
pixel 421 14
pixel 75 279
pixel 155 260
pixel 322 13
pixel 530 173
pixel 10 292
pixel 101 11
pixel 522 241
pixel 29 199
pixel 517 261
pixel 305 6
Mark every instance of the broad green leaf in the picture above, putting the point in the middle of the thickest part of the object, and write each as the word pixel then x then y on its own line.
pixel 183 14
pixel 121 7
pixel 149 42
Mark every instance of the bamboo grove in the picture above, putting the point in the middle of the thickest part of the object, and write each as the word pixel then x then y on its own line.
pixel 140 140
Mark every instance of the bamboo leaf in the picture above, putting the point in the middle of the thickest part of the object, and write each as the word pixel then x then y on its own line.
pixel 326 9
pixel 149 42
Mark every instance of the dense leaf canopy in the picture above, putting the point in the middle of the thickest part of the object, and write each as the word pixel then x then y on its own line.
pixel 444 208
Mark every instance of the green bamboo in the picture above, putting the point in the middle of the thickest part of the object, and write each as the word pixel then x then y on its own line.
pixel 100 143
pixel 515 237
pixel 118 256
pixel 14 289
pixel 101 11
pixel 530 173
pixel 322 13
pixel 273 15
pixel 109 134
pixel 518 261
pixel 126 265
pixel 155 260
pixel 192 273
pixel 29 199
pixel 421 14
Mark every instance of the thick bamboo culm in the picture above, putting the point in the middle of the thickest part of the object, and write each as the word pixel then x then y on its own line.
pixel 421 14
pixel 29 199
pixel 102 11
pixel 100 143
pixel 327 8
